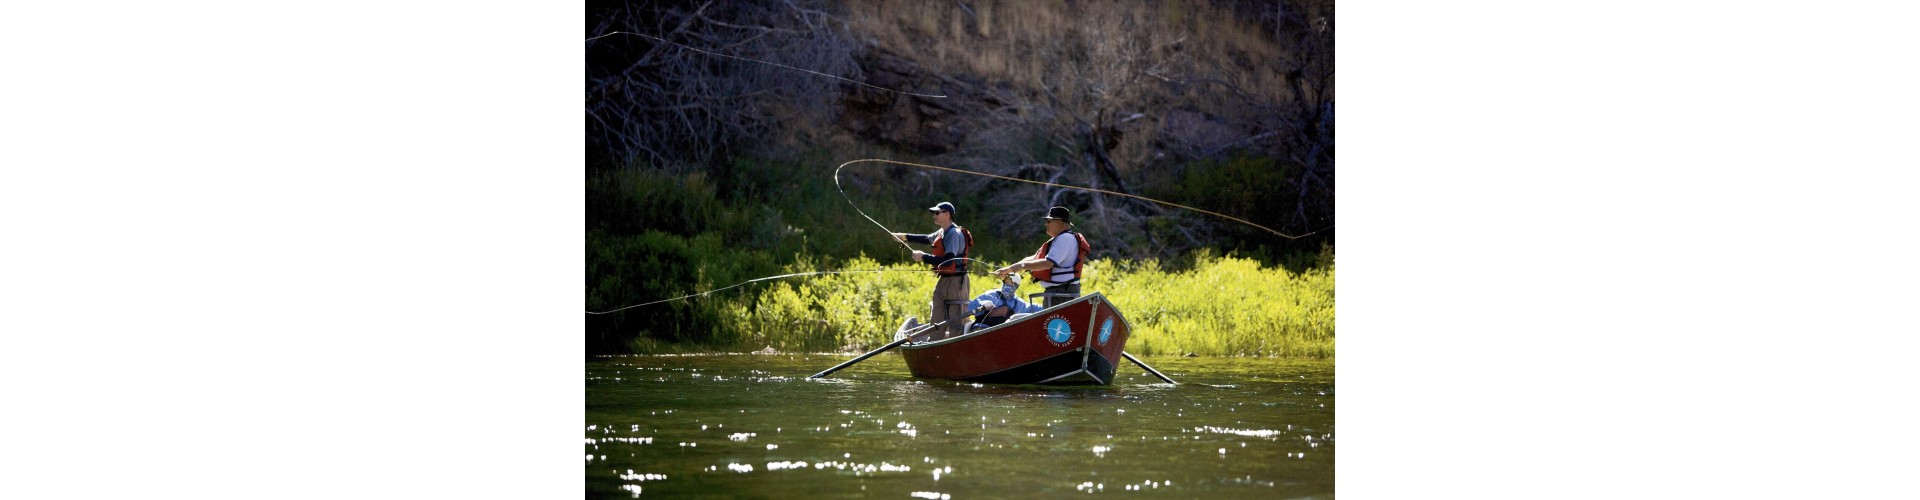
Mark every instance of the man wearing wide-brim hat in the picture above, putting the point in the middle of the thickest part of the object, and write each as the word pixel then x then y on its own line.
pixel 1061 260
pixel 948 247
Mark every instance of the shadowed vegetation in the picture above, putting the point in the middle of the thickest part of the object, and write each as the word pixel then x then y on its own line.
pixel 1202 303
pixel 707 171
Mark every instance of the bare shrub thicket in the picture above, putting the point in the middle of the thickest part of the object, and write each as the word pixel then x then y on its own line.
pixel 1123 97
pixel 667 106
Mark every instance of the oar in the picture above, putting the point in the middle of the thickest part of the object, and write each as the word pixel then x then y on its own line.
pixel 882 349
pixel 1150 369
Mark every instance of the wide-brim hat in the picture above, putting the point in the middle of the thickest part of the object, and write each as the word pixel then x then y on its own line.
pixel 1060 214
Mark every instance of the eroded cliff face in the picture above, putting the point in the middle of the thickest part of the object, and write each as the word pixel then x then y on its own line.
pixel 929 124
pixel 1177 100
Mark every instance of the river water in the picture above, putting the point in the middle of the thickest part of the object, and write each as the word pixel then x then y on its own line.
pixel 752 425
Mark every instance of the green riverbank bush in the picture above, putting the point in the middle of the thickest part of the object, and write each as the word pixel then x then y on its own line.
pixel 1222 306
pixel 653 234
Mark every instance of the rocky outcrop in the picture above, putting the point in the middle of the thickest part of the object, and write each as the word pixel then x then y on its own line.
pixel 930 124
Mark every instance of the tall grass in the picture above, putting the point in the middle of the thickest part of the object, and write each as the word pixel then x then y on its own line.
pixel 1222 306
pixel 654 235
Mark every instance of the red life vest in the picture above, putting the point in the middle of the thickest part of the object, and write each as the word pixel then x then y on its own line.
pixel 956 266
pixel 1079 261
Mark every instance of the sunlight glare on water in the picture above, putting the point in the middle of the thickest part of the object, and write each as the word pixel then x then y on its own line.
pixel 715 426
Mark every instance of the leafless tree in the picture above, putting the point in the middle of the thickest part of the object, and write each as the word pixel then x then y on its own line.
pixel 681 92
pixel 1121 106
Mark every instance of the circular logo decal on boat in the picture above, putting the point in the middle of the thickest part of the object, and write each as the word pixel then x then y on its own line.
pixel 1106 330
pixel 1058 331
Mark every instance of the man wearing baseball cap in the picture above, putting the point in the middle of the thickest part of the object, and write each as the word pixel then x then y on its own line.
pixel 1060 261
pixel 948 248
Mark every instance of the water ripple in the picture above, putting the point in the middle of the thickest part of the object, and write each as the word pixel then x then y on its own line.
pixel 1264 433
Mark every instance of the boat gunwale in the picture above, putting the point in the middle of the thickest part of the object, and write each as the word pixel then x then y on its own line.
pixel 937 343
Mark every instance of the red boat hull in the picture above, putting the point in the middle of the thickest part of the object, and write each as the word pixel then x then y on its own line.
pixel 1075 343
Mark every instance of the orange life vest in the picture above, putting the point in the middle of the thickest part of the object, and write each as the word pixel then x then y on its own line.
pixel 1079 261
pixel 956 266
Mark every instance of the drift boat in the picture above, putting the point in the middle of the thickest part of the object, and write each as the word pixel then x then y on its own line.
pixel 1076 343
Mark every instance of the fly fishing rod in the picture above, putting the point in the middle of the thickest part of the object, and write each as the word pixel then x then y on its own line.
pixel 794 275
pixel 856 208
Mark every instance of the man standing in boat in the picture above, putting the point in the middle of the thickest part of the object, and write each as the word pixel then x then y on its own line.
pixel 1058 264
pixel 950 293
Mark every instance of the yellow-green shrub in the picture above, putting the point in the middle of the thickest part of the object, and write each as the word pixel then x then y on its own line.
pixel 1223 306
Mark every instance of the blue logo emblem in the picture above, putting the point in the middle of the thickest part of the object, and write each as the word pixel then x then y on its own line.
pixel 1106 330
pixel 1058 331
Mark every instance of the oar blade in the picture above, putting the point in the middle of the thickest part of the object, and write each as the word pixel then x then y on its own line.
pixel 1149 369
